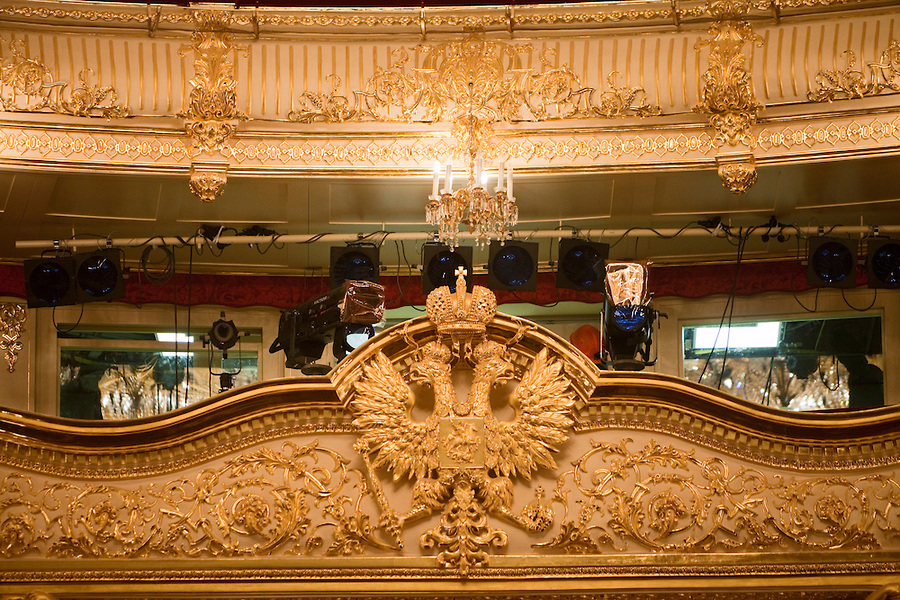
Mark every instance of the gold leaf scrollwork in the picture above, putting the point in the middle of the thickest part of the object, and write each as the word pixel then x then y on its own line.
pixel 260 503
pixel 727 96
pixel 212 115
pixel 738 175
pixel 463 533
pixel 27 85
pixel 660 498
pixel 12 324
pixel 473 83
pixel 848 83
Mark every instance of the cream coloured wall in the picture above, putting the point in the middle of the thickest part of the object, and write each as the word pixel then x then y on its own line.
pixel 34 384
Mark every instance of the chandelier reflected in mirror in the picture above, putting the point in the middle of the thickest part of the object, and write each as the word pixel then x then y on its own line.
pixel 487 216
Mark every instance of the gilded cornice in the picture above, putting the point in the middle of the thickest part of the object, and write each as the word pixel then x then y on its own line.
pixel 570 96
pixel 502 17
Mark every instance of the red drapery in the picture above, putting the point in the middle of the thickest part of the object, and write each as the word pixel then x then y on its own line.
pixel 236 291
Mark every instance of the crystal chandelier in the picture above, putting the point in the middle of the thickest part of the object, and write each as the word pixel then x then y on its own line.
pixel 488 216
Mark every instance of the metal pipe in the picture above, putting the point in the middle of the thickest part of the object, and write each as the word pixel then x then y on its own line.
pixel 425 236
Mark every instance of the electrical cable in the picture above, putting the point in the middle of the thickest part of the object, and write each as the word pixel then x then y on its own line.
pixel 71 329
pixel 765 400
pixel 166 264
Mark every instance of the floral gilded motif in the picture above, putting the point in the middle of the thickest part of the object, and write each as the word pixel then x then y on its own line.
pixel 12 324
pixel 212 115
pixel 259 503
pixel 848 83
pixel 663 499
pixel 471 79
pixel 28 85
pixel 727 96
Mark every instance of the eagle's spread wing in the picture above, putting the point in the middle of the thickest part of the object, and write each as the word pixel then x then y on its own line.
pixel 543 401
pixel 381 407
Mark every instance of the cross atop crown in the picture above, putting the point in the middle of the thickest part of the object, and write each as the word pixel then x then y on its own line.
pixel 461 315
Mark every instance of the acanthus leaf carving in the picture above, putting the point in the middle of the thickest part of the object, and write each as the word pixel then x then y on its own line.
pixel 848 83
pixel 29 86
pixel 12 324
pixel 471 78
pixel 727 96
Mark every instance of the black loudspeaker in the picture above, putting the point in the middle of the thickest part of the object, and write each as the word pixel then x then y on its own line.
pixel 831 262
pixel 582 265
pixel 50 281
pixel 512 266
pixel 883 263
pixel 439 265
pixel 98 276
pixel 353 263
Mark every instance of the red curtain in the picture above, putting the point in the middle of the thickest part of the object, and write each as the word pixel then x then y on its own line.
pixel 285 292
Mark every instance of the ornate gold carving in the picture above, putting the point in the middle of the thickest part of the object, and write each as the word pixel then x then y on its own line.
pixel 208 180
pixel 738 174
pixel 850 83
pixel 727 96
pixel 258 503
pixel 27 85
pixel 473 83
pixel 461 458
pixel 660 498
pixel 12 324
pixel 212 114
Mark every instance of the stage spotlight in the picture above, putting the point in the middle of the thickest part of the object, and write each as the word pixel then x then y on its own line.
pixel 303 332
pixel 348 337
pixel 581 265
pixel 439 264
pixel 223 334
pixel 883 263
pixel 831 262
pixel 98 276
pixel 513 266
pixel 354 263
pixel 628 318
pixel 50 281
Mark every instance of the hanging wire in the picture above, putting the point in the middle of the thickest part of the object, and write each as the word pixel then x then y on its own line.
pixel 401 255
pixel 765 400
pixel 71 329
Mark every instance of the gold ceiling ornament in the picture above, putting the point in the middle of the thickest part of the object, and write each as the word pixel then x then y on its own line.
pixel 462 459
pixel 473 83
pixel 28 85
pixel 212 115
pixel 12 325
pixel 848 83
pixel 208 179
pixel 738 173
pixel 659 498
pixel 727 96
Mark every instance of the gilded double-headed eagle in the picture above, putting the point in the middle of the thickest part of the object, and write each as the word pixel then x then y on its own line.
pixel 461 441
